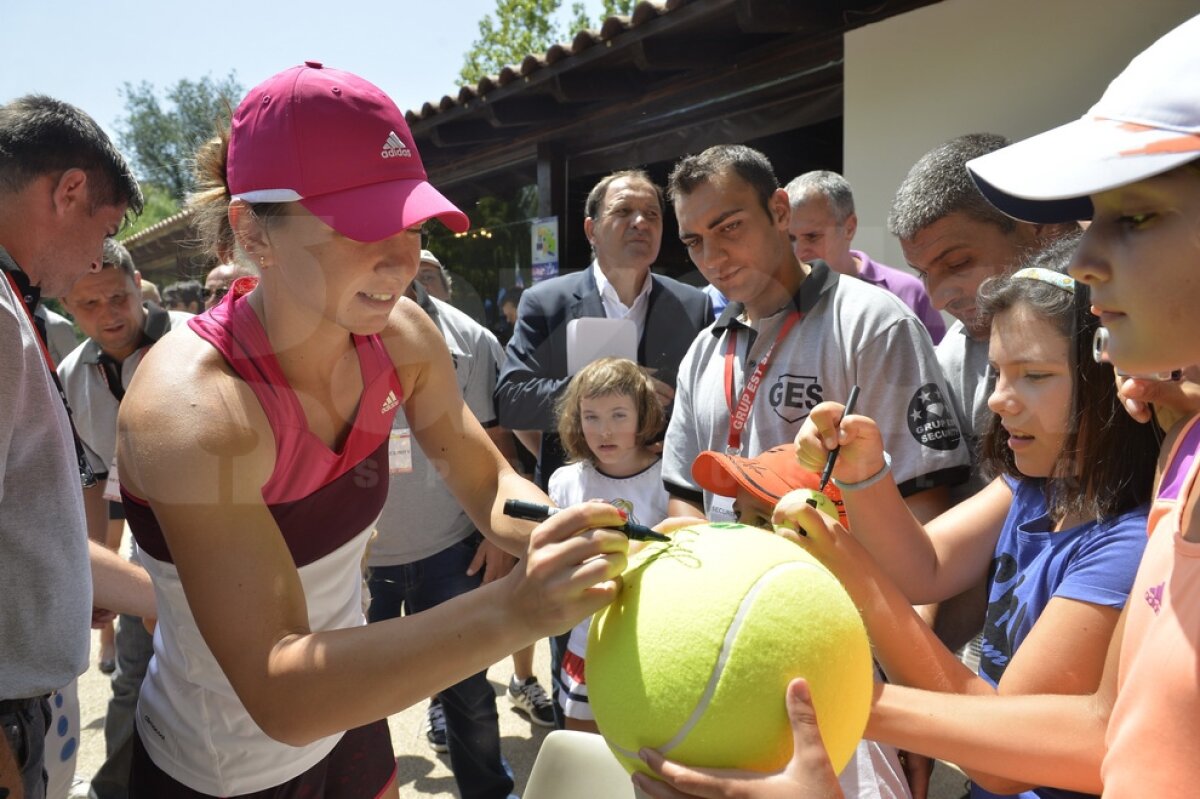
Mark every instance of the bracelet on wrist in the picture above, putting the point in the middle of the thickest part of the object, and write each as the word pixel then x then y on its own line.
pixel 870 481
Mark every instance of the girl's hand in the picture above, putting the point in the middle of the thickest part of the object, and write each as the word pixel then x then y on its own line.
pixel 861 444
pixel 572 568
pixel 808 775
pixel 493 560
pixel 1168 400
pixel 826 540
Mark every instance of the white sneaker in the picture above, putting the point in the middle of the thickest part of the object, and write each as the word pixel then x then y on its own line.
pixel 435 727
pixel 529 698
pixel 81 788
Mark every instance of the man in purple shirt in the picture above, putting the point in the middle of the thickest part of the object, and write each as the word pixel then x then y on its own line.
pixel 823 225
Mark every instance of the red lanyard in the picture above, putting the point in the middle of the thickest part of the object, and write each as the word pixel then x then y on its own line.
pixel 741 414
pixel 86 476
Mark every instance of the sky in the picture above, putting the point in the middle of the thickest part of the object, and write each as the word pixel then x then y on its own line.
pixel 84 51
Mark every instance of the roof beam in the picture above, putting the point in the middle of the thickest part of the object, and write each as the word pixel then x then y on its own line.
pixel 523 111
pixel 786 16
pixel 655 55
pixel 453 134
pixel 590 86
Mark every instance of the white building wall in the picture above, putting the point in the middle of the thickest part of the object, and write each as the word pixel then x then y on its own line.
pixel 1014 67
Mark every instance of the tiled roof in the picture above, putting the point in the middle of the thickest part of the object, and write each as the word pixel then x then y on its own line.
pixel 155 230
pixel 583 41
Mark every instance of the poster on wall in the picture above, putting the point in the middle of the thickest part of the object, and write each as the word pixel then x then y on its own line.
pixel 544 240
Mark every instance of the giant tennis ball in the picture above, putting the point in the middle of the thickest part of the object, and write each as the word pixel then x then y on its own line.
pixel 694 656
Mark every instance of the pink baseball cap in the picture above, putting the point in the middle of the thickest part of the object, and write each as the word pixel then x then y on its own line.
pixel 1147 123
pixel 340 147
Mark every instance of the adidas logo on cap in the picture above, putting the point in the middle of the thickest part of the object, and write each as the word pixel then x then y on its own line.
pixel 394 147
pixel 389 402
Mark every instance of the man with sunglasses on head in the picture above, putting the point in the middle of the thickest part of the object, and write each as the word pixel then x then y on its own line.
pixel 220 278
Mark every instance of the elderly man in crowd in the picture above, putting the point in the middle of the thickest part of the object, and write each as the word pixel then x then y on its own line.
pixel 823 224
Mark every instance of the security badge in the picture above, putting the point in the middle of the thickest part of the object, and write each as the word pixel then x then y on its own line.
pixel 400 451
pixel 112 486
pixel 721 509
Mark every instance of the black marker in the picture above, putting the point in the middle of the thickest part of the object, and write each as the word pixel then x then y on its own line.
pixel 531 511
pixel 833 453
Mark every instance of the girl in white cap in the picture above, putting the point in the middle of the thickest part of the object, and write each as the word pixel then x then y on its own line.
pixel 254 456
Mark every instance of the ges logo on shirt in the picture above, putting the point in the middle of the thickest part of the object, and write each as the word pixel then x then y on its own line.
pixel 793 396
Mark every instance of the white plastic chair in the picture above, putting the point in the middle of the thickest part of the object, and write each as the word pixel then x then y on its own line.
pixel 577 765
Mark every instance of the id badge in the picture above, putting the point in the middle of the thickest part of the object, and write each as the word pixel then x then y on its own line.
pixel 112 486
pixel 721 510
pixel 399 452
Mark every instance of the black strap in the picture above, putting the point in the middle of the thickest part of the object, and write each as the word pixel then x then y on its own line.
pixel 29 296
pixel 110 370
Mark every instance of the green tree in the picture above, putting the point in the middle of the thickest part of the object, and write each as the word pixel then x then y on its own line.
pixel 160 137
pixel 521 27
pixel 608 8
pixel 498 241
pixel 160 204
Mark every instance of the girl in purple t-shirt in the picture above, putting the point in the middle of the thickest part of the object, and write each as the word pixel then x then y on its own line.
pixel 1056 536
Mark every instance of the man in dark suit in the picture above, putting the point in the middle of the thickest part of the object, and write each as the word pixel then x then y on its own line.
pixel 624 223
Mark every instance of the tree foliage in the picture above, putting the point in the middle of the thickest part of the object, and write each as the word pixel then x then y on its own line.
pixel 159 205
pixel 521 27
pixel 483 260
pixel 160 137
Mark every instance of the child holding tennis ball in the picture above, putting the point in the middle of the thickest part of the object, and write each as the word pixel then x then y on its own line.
pixel 606 419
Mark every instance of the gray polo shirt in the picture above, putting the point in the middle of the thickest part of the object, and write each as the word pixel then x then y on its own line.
pixel 46 604
pixel 93 403
pixel 964 362
pixel 422 517
pixel 60 334
pixel 850 333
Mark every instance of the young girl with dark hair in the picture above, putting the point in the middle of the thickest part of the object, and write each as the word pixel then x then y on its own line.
pixel 1058 533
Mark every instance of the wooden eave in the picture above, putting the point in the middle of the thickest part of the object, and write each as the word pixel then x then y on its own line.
pixel 672 76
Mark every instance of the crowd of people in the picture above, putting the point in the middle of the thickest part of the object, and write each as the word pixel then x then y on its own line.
pixel 312 450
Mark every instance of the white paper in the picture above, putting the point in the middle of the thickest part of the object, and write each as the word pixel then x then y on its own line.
pixel 592 338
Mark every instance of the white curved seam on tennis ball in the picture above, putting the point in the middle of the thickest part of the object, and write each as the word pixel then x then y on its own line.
pixel 621 750
pixel 726 646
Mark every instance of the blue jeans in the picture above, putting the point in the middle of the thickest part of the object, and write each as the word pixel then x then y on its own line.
pixel 472 725
pixel 23 723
